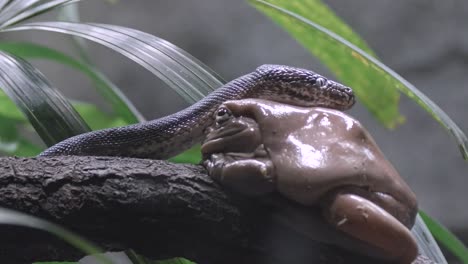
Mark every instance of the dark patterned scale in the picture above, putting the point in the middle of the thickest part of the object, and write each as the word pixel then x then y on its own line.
pixel 175 133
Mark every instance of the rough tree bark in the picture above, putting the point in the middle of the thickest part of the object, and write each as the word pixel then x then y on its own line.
pixel 157 208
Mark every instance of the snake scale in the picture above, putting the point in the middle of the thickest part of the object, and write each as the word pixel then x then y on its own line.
pixel 165 137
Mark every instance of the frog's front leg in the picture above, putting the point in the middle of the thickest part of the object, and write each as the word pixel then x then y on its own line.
pixel 368 222
pixel 242 174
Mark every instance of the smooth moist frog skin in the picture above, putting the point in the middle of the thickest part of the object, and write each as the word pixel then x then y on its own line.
pixel 316 157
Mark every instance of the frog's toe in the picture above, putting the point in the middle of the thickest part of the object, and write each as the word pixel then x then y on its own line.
pixel 364 220
pixel 252 177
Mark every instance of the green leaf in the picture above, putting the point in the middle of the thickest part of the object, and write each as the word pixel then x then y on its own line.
pixel 8 109
pixel 14 8
pixel 51 115
pixel 139 259
pixel 25 148
pixel 174 261
pixel 373 79
pixel 12 142
pixel 187 76
pixel 427 244
pixel 320 13
pixel 96 118
pixel 119 102
pixel 19 147
pixel 446 238
pixel 3 3
pixel 20 10
pixel 10 217
pixel 56 262
pixel 136 258
pixel 8 135
pixel 71 13
pixel 373 91
pixel 192 155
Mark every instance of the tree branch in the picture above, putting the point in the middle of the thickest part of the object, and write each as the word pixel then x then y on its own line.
pixel 157 208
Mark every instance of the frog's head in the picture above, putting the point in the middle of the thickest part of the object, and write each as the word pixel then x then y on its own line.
pixel 230 133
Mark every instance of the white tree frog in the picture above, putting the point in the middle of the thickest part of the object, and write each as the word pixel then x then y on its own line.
pixel 316 157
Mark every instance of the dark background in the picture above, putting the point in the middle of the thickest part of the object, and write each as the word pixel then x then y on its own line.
pixel 423 40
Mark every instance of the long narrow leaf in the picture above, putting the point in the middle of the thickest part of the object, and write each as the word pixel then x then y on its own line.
pixel 71 13
pixel 149 54
pixel 318 12
pixel 119 102
pixel 12 142
pixel 96 118
pixel 14 8
pixel 10 217
pixel 9 110
pixel 373 91
pixel 192 155
pixel 25 148
pixel 3 3
pixel 426 242
pixel 139 259
pixel 184 58
pixel 34 11
pixel 446 238
pixel 352 62
pixel 48 111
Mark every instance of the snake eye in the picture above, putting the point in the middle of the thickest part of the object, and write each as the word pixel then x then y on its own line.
pixel 222 115
pixel 321 82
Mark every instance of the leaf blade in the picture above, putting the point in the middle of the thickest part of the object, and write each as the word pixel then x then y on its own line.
pixel 12 142
pixel 184 58
pixel 48 111
pixel 192 155
pixel 96 118
pixel 9 110
pixel 3 3
pixel 381 71
pixel 446 238
pixel 14 8
pixel 149 54
pixel 30 10
pixel 10 217
pixel 120 104
pixel 383 102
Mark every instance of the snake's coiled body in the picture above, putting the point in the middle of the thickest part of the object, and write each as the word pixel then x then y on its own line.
pixel 170 135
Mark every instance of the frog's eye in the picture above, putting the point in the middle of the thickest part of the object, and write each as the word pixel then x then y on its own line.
pixel 222 115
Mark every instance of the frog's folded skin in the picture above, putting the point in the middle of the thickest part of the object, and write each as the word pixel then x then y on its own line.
pixel 165 137
pixel 316 157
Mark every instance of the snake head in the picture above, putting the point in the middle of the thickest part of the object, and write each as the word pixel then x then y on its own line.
pixel 303 87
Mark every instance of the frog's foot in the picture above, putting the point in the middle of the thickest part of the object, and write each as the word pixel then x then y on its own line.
pixel 366 221
pixel 248 176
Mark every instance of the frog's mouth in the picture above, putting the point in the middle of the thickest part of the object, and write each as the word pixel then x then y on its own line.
pixel 235 135
pixel 228 130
